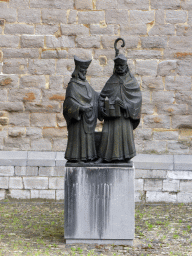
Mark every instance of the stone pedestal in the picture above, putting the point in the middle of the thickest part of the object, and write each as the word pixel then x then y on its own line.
pixel 99 205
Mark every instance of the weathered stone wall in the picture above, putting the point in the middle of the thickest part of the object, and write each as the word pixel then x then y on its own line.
pixel 38 39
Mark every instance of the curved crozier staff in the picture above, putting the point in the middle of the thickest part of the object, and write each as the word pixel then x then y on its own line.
pixel 115 45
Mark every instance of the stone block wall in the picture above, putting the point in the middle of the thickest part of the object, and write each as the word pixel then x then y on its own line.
pixel 40 175
pixel 38 40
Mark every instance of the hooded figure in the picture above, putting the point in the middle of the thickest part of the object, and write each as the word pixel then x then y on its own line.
pixel 120 107
pixel 80 111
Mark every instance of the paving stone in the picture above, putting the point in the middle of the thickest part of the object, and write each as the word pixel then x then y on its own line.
pixel 11 158
pixel 41 158
pixel 15 183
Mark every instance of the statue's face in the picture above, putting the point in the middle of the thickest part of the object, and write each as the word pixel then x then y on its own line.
pixel 82 73
pixel 120 69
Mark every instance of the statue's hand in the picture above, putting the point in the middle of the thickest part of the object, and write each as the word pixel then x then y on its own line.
pixel 104 114
pixel 120 103
pixel 86 109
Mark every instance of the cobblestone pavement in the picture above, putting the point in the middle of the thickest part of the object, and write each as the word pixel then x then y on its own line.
pixel 36 228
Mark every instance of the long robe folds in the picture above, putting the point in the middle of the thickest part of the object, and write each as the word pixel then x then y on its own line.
pixel 117 142
pixel 80 124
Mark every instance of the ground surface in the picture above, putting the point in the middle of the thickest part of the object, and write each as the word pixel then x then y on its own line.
pixel 36 228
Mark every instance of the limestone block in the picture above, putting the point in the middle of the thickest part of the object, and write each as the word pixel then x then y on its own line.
pixel 19 194
pixel 80 52
pixel 94 69
pixel 59 194
pixel 143 134
pixel 50 4
pixel 171 185
pixel 4 182
pixel 154 42
pixel 31 41
pixel 92 17
pixel 183 30
pixel 8 14
pixel 24 95
pixel 133 4
pixel 44 107
pixel 153 185
pixel 183 97
pixel 11 158
pixel 144 54
pixel 56 82
pixel 18 3
pixel 152 196
pixel 179 83
pixel 15 183
pixel 177 147
pixel 9 81
pixel 43 120
pixel 157 147
pixel 152 83
pixel 171 135
pixel 19 119
pixel 156 121
pixel 179 175
pixel 46 171
pixel 141 17
pixel 53 95
pixel 46 29
pixel 163 96
pixel 88 42
pixel 53 54
pixel 184 67
pixel 72 17
pixel 26 171
pixel 41 158
pixel 43 194
pixel 41 144
pixel 41 67
pixel 183 162
pixel 163 4
pixel 166 67
pixel 14 29
pixel 184 197
pixel 24 53
pixel 148 109
pixel 150 174
pixel 98 82
pixel 73 30
pixel 139 184
pixel 28 16
pixel 17 143
pixel 15 66
pixel 176 17
pixel 60 42
pixel 84 4
pixel 2 194
pixel 106 5
pixel 60 161
pixel 146 97
pixel 162 30
pixel 96 29
pixel 3 95
pixel 59 144
pixel 108 53
pixel 116 16
pixel 172 109
pixel 54 16
pixel 35 182
pixel 146 67
pixel 56 183
pixel 133 29
pixel 16 131
pixel 32 81
pixel 159 17
pixel 186 186
pixel 54 132
pixel 33 132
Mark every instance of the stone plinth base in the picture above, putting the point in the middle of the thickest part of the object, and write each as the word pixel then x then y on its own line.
pixel 99 205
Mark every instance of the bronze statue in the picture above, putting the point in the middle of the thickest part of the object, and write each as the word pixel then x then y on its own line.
pixel 120 107
pixel 80 110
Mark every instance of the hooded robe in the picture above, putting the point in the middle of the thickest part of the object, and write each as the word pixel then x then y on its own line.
pixel 117 142
pixel 80 124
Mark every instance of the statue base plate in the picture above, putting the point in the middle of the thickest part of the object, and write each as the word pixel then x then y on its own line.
pixel 99 205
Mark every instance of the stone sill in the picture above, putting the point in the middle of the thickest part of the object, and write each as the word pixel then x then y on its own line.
pixel 141 161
